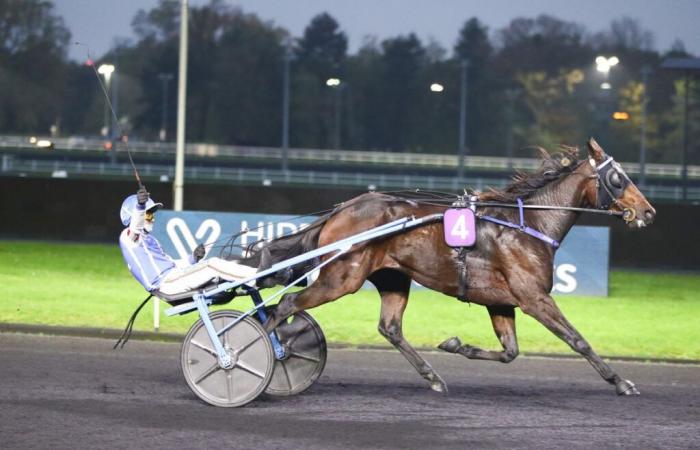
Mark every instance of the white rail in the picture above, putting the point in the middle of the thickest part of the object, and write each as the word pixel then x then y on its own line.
pixel 426 160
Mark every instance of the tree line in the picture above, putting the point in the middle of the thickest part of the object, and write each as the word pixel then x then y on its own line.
pixel 533 82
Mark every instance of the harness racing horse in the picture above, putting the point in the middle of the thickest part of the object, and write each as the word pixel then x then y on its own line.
pixel 507 269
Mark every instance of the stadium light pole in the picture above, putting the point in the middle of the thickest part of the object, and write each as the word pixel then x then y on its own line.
pixel 181 103
pixel 285 105
pixel 106 71
pixel 511 95
pixel 462 120
pixel 604 65
pixel 646 71
pixel 689 66
pixel 336 84
pixel 165 79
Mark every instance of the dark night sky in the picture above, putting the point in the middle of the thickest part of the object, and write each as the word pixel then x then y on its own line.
pixel 99 22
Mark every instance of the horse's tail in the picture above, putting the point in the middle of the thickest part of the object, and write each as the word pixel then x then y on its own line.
pixel 284 248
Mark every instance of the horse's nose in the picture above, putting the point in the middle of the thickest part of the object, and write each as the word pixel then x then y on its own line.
pixel 649 214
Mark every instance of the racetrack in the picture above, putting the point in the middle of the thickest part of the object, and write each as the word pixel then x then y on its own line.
pixel 60 392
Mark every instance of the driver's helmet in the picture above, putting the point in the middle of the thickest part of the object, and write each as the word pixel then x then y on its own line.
pixel 128 207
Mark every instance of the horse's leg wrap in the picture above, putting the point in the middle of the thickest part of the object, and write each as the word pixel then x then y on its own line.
pixel 503 321
pixel 545 311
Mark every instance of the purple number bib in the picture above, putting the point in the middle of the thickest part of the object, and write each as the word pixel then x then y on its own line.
pixel 460 227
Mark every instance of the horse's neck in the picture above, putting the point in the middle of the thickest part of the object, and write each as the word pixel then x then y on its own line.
pixel 568 191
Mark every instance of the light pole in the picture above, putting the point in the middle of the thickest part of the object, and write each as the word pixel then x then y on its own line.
pixel 165 79
pixel 463 120
pixel 689 66
pixel 437 87
pixel 285 106
pixel 336 84
pixel 179 184
pixel 511 95
pixel 106 71
pixel 646 71
pixel 604 65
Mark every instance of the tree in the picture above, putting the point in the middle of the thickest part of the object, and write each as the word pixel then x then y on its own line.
pixel 323 48
pixel 320 55
pixel 33 44
pixel 404 89
pixel 551 101
pixel 625 34
pixel 474 46
pixel 542 44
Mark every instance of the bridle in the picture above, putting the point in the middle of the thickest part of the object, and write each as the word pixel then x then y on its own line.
pixel 611 182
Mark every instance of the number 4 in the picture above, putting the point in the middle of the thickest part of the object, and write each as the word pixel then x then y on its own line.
pixel 460 227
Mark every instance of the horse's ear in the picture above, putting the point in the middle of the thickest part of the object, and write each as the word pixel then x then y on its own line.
pixel 596 151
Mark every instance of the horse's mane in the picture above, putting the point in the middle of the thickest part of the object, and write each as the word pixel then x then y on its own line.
pixel 554 166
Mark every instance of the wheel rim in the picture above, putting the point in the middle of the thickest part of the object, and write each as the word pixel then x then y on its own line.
pixel 305 347
pixel 251 352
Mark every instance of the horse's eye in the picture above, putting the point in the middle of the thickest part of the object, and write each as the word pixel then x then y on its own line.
pixel 614 179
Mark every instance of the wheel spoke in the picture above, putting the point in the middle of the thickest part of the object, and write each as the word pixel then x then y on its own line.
pixel 229 384
pixel 213 368
pixel 286 375
pixel 203 347
pixel 248 345
pixel 250 370
pixel 304 356
pixel 225 339
pixel 296 335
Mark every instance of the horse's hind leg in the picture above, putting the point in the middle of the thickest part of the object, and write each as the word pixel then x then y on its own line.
pixel 548 314
pixel 393 288
pixel 336 280
pixel 503 321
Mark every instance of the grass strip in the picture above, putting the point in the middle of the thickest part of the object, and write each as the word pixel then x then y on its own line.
pixel 648 315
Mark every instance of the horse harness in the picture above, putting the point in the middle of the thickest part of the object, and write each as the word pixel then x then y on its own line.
pixel 611 182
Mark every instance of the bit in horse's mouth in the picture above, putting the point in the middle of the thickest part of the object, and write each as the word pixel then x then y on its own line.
pixel 639 223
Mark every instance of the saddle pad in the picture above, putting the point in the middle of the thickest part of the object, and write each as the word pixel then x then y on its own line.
pixel 460 227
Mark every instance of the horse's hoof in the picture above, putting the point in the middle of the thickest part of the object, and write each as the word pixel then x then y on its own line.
pixel 451 345
pixel 626 387
pixel 438 386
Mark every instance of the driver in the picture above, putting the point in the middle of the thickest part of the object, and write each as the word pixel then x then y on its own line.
pixel 153 268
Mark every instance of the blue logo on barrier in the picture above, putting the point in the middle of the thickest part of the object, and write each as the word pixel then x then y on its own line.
pixel 581 264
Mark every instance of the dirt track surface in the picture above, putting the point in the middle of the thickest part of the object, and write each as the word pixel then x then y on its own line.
pixel 59 392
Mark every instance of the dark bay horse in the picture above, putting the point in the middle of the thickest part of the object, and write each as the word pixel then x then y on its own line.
pixel 507 269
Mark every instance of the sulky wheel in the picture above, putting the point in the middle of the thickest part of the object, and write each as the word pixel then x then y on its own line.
pixel 305 355
pixel 250 350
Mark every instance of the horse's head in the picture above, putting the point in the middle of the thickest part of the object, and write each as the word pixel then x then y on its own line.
pixel 614 191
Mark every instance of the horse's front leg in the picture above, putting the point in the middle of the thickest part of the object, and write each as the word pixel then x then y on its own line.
pixel 545 311
pixel 503 321
pixel 393 288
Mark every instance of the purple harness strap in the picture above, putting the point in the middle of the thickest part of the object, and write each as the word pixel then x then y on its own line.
pixel 522 227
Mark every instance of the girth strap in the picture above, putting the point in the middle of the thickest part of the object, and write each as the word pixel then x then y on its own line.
pixel 462 274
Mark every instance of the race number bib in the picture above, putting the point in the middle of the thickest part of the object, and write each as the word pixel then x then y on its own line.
pixel 460 227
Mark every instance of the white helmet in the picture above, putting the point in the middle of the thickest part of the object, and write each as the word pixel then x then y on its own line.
pixel 130 203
